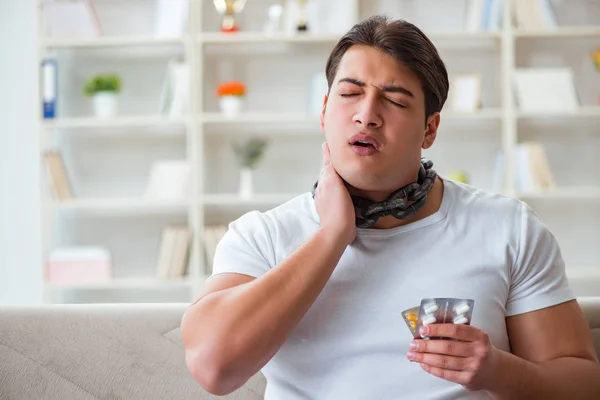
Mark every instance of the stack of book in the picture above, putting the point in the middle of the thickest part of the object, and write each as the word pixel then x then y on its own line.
pixel 174 252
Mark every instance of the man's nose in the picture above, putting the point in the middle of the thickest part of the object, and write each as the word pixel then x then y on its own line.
pixel 368 114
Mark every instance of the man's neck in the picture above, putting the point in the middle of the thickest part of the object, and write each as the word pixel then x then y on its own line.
pixel 432 205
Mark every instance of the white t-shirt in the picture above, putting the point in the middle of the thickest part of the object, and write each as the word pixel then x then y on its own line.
pixel 353 341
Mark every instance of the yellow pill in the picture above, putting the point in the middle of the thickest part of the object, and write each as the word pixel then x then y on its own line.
pixel 413 324
pixel 411 316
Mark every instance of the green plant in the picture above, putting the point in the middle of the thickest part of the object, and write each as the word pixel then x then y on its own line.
pixel 249 153
pixel 102 83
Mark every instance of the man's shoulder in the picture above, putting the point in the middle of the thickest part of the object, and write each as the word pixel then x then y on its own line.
pixel 298 210
pixel 479 202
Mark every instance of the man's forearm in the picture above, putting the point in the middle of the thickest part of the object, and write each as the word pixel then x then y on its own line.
pixel 563 378
pixel 239 329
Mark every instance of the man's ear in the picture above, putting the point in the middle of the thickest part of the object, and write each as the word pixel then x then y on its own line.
pixel 323 113
pixel 433 122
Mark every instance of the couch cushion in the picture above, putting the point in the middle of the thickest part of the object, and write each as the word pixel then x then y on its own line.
pixel 99 352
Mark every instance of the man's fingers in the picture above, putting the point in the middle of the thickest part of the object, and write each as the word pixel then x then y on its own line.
pixel 465 333
pixel 326 160
pixel 448 347
pixel 326 155
pixel 439 361
pixel 460 377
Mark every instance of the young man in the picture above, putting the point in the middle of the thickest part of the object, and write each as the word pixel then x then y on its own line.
pixel 311 292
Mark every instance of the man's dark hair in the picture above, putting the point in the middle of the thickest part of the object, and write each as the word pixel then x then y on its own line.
pixel 404 42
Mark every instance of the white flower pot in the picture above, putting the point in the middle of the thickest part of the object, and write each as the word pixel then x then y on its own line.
pixel 246 188
pixel 231 106
pixel 106 104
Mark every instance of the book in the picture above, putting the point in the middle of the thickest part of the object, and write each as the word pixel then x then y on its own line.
pixel 57 176
pixel 174 250
pixel 71 19
pixel 546 90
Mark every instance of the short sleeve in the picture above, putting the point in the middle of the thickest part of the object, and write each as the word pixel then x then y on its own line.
pixel 538 278
pixel 246 248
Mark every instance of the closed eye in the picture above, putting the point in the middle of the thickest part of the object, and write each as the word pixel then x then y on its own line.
pixel 348 94
pixel 396 104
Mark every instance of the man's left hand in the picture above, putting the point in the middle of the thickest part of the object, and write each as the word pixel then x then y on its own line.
pixel 468 361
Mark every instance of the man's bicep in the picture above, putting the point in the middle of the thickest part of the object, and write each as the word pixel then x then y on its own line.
pixel 549 333
pixel 220 282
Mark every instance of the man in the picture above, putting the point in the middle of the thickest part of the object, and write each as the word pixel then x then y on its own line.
pixel 311 292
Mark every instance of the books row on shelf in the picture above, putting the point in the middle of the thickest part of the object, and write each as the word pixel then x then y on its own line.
pixel 80 18
pixel 94 264
pixel 167 180
pixel 532 169
pixel 536 89
pixel 535 15
pixel 173 256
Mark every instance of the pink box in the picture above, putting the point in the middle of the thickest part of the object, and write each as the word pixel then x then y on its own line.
pixel 73 271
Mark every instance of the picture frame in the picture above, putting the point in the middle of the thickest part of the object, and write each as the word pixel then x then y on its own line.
pixel 465 92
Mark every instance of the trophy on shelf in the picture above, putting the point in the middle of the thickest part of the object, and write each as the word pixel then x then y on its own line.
pixel 302 23
pixel 228 9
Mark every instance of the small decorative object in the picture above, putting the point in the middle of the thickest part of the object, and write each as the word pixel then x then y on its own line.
pixel 303 16
pixel 248 155
pixel 228 9
pixel 465 94
pixel 232 96
pixel 274 23
pixel 104 90
pixel 596 60
pixel 459 176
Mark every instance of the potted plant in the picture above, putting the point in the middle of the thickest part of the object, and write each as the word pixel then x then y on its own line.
pixel 248 155
pixel 232 96
pixel 104 91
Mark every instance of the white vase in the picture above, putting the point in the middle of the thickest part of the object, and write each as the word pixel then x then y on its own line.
pixel 231 106
pixel 106 104
pixel 246 188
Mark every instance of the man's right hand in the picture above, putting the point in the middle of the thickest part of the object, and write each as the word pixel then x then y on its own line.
pixel 333 202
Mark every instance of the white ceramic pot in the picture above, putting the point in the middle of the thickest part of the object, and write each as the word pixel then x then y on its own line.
pixel 231 106
pixel 246 188
pixel 106 104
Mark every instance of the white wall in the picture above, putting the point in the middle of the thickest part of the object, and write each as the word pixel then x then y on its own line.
pixel 20 272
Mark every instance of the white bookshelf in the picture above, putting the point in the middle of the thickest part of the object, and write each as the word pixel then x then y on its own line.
pixel 110 158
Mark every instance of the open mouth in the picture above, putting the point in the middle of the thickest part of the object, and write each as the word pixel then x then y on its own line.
pixel 362 144
pixel 364 141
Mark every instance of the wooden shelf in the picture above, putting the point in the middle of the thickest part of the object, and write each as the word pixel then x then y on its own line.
pixel 233 200
pixel 583 111
pixel 261 38
pixel 259 117
pixel 126 283
pixel 114 41
pixel 483 114
pixel 119 122
pixel 561 32
pixel 563 193
pixel 122 205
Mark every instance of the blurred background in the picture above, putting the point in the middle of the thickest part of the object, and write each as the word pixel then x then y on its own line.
pixel 134 131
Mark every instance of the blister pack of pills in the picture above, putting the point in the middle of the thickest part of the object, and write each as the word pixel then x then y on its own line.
pixel 438 311
pixel 410 317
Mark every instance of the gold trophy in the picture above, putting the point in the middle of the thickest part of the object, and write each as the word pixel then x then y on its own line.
pixel 228 9
pixel 302 24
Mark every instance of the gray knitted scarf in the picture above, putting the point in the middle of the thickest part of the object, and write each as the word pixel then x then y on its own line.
pixel 402 204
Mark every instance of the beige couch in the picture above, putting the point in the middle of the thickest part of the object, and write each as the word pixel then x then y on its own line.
pixel 114 352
